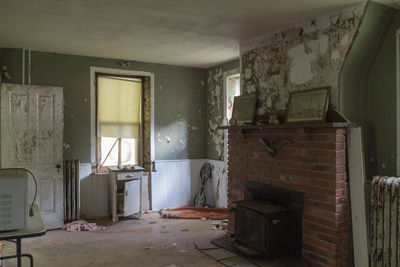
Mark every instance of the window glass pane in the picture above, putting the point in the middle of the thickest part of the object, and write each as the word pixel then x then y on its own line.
pixel 106 144
pixel 232 90
pixel 130 151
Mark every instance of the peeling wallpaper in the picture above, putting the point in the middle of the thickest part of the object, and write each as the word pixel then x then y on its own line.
pixel 302 57
pixel 215 112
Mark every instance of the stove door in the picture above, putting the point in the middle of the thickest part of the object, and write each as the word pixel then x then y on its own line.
pixel 250 228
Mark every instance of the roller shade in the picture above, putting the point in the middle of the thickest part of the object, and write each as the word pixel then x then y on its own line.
pixel 119 104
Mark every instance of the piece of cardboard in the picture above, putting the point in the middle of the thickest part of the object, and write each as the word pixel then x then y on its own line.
pixel 355 149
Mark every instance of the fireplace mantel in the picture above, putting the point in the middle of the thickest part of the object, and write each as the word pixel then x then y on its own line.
pixel 290 125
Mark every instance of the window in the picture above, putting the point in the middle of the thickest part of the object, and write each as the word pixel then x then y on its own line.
pixel 231 89
pixel 119 120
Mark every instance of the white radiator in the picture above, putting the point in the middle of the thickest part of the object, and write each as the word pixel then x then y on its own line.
pixel 71 190
pixel 385 215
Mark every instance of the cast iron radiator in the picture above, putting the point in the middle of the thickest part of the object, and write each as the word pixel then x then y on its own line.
pixel 71 190
pixel 385 215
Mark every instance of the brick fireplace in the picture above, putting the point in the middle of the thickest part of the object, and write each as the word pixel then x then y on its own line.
pixel 314 163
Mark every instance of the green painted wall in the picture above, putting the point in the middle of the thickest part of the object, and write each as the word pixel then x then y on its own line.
pixel 367 87
pixel 179 93
pixel 215 109
pixel 382 104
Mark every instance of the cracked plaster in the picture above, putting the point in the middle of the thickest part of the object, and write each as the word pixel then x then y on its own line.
pixel 302 57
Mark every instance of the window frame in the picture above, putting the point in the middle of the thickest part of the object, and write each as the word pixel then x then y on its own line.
pixel 98 74
pixel 225 75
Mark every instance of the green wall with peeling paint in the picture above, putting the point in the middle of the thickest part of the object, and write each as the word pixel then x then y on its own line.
pixel 180 93
pixel 368 87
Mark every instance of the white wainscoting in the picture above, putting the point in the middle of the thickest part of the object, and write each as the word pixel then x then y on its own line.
pixel 176 183
pixel 94 193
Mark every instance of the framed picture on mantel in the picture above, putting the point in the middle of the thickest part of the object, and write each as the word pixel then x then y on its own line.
pixel 308 105
pixel 244 108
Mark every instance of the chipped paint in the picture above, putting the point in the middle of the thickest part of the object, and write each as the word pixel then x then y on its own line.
pixel 219 184
pixel 301 57
pixel 215 111
pixel 215 108
pixel 300 69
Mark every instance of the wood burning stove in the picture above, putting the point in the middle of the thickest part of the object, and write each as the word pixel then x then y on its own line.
pixel 270 220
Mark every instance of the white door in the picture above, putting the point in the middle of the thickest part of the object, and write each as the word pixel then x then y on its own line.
pixel 32 138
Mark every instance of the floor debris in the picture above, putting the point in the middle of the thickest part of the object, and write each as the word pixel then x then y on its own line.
pixel 78 226
pixel 220 224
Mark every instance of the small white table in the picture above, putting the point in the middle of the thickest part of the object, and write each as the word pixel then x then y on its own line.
pixel 35 228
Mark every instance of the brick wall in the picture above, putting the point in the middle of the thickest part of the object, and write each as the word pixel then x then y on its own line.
pixel 315 164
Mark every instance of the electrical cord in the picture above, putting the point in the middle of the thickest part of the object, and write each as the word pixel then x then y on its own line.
pixel 36 185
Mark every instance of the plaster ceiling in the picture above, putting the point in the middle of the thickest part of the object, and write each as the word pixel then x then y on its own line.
pixel 198 33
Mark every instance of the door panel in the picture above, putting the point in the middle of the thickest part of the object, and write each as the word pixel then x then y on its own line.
pixel 46 195
pixel 46 128
pixel 20 150
pixel 32 138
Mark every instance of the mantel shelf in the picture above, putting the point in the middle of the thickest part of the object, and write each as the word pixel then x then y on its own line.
pixel 290 125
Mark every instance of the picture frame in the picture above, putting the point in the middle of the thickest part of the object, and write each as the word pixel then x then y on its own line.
pixel 244 108
pixel 308 105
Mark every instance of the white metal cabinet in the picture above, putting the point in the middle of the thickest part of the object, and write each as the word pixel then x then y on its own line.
pixel 125 198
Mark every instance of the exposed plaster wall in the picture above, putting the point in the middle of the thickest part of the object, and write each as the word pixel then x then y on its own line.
pixel 215 112
pixel 302 57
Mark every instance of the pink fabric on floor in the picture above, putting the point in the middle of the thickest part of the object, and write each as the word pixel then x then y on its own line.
pixel 78 226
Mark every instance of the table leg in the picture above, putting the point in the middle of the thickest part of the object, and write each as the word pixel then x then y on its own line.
pixel 19 264
pixel 30 257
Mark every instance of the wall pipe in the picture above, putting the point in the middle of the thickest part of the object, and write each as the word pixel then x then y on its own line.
pixel 23 66
pixel 29 66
